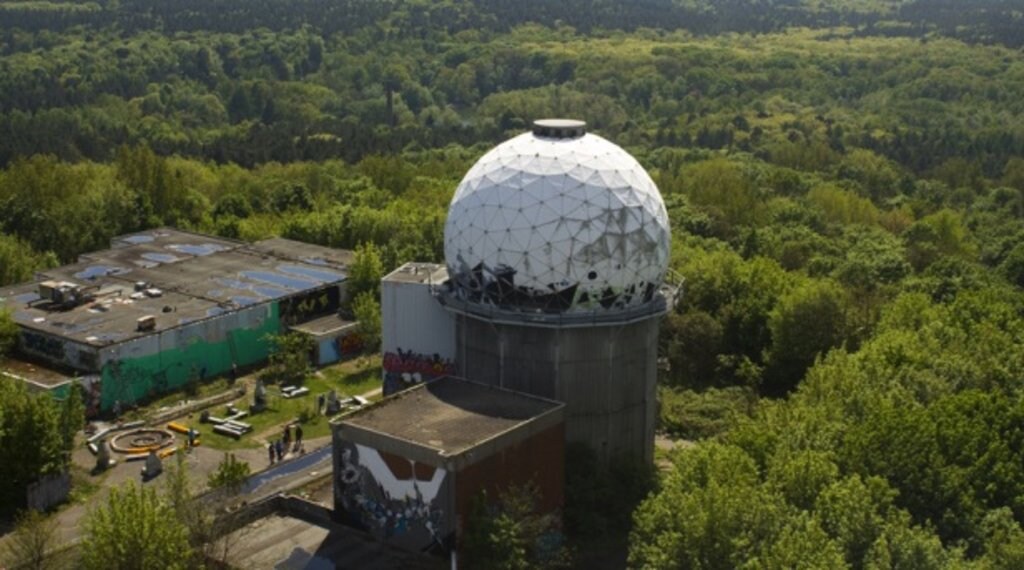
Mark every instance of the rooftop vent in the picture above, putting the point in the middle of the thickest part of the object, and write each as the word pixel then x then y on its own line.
pixel 559 128
pixel 146 323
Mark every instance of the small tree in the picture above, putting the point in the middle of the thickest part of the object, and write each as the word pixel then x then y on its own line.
pixel 513 535
pixel 289 363
pixel 72 415
pixel 364 274
pixel 30 433
pixel 367 311
pixel 177 493
pixel 231 474
pixel 8 333
pixel 34 542
pixel 138 529
pixel 208 533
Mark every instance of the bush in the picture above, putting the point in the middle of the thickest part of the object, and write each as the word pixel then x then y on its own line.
pixel 688 414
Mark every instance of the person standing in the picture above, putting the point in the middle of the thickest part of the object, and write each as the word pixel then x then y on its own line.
pixel 280 450
pixel 298 436
pixel 270 449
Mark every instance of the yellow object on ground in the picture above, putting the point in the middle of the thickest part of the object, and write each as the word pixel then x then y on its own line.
pixel 175 426
pixel 167 452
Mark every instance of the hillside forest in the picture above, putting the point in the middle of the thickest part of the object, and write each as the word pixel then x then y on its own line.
pixel 844 178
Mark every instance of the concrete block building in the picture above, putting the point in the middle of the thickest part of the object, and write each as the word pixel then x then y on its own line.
pixel 163 307
pixel 409 468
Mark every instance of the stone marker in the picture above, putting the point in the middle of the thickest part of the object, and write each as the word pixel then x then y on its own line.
pixel 153 466
pixel 103 459
pixel 333 404
pixel 259 400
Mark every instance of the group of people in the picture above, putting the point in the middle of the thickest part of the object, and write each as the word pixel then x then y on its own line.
pixel 278 448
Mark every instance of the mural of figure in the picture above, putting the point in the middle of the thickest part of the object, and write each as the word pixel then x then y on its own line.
pixel 383 496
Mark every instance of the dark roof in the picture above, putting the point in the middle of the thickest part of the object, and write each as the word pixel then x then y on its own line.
pixel 199 277
pixel 305 252
pixel 451 415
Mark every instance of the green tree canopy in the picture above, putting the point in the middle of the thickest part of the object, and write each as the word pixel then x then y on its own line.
pixel 135 529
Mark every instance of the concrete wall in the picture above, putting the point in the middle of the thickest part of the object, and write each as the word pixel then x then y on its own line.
pixel 605 375
pixel 58 350
pixel 417 335
pixel 399 501
pixel 539 459
pixel 328 351
pixel 166 360
pixel 422 507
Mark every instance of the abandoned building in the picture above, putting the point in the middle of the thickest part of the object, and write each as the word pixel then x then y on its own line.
pixel 164 307
pixel 409 468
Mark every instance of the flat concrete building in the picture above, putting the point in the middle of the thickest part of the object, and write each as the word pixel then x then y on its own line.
pixel 164 307
pixel 408 468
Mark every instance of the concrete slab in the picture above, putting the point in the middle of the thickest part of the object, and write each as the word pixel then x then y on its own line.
pixel 284 542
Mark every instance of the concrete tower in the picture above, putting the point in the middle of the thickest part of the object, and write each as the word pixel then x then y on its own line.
pixel 557 246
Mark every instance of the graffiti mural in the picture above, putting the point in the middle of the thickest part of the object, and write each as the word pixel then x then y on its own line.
pixel 308 305
pixel 351 345
pixel 393 498
pixel 45 345
pixel 403 369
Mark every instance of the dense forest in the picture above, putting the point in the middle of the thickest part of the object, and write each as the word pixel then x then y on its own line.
pixel 845 181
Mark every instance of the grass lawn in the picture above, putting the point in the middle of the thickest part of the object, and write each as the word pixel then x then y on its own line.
pixel 350 378
pixel 210 388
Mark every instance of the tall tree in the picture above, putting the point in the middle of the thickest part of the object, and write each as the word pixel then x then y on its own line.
pixel 366 310
pixel 806 323
pixel 365 273
pixel 8 333
pixel 72 415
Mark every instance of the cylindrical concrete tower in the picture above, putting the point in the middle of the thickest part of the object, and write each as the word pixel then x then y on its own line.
pixel 557 245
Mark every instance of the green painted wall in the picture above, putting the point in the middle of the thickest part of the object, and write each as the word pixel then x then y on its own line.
pixel 133 379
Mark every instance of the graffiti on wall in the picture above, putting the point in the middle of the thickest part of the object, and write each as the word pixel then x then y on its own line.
pixel 305 306
pixel 46 345
pixel 393 498
pixel 350 344
pixel 407 368
pixel 132 372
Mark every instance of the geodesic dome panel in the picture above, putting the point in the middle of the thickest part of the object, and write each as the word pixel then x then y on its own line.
pixel 559 225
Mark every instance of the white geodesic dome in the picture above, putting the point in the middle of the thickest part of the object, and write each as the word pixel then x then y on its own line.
pixel 559 221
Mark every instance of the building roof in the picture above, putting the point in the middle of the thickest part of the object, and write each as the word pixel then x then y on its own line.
pixel 283 541
pixel 419 272
pixel 305 252
pixel 449 417
pixel 34 373
pixel 324 325
pixel 196 276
